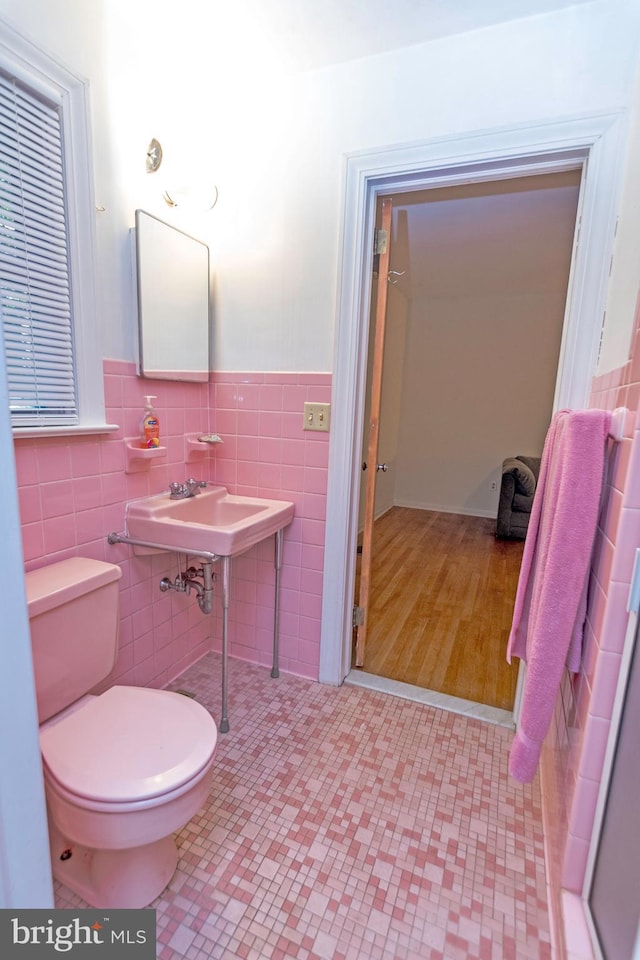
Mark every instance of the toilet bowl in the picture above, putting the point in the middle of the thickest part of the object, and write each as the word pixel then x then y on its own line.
pixel 123 770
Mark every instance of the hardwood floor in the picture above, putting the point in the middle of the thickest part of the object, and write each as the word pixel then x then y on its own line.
pixel 442 592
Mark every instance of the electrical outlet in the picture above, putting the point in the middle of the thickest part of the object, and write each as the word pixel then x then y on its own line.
pixel 317 416
pixel 494 485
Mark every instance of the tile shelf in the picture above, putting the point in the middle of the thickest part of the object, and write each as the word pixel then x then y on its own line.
pixel 140 458
pixel 196 449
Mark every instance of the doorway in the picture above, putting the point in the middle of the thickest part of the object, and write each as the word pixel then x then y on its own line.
pixel 595 142
pixel 475 307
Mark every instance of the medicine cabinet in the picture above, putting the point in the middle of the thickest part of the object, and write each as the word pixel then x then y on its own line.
pixel 173 285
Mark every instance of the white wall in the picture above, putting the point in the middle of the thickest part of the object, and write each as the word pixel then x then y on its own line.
pixel 474 320
pixel 576 62
pixel 206 80
pixel 625 269
pixel 479 381
pixel 489 274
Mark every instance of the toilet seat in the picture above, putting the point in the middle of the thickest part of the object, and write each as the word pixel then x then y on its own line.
pixel 129 745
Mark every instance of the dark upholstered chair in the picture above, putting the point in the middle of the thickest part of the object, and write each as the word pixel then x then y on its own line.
pixel 519 481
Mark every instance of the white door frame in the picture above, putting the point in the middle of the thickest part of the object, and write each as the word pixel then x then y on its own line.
pixel 596 144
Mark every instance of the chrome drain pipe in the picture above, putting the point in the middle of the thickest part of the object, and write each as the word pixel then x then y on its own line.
pixel 205 599
pixel 201 579
pixel 187 581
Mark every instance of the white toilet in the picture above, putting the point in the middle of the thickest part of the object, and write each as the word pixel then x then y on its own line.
pixel 123 770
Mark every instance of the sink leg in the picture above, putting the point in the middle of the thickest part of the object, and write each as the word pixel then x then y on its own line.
pixel 275 671
pixel 226 582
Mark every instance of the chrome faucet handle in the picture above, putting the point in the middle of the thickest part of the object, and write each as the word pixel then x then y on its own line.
pixel 192 485
pixel 177 490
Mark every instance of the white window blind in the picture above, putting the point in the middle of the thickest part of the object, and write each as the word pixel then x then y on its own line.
pixel 35 287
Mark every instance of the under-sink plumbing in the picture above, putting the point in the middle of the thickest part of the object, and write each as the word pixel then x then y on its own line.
pixel 200 579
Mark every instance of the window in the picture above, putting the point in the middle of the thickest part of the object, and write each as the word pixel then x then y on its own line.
pixel 47 301
pixel 34 265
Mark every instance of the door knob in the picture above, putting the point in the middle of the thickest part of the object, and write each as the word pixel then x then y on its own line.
pixel 383 467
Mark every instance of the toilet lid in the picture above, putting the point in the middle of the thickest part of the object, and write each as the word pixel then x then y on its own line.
pixel 129 743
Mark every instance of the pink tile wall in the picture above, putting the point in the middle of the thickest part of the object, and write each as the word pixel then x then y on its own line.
pixel 573 759
pixel 266 453
pixel 73 492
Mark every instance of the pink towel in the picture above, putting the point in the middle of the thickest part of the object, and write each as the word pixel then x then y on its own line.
pixel 550 605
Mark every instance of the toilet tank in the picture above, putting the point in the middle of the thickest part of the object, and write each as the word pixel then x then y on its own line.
pixel 73 617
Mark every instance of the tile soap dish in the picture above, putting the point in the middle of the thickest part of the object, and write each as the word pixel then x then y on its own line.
pixel 139 458
pixel 199 445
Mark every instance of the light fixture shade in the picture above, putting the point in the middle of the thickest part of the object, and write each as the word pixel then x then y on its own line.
pixel 194 197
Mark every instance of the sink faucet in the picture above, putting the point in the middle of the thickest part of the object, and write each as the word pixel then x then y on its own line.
pixel 180 491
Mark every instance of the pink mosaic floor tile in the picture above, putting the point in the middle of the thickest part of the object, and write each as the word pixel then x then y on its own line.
pixel 346 824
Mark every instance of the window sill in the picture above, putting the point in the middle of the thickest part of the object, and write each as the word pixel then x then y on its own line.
pixel 20 433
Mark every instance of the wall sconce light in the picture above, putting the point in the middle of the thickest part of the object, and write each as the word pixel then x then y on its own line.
pixel 196 196
pixel 154 156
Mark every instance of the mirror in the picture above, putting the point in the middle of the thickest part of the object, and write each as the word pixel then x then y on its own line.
pixel 172 272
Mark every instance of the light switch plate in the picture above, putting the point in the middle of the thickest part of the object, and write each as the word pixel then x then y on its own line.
pixel 317 416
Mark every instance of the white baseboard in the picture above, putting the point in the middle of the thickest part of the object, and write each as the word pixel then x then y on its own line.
pixel 447 508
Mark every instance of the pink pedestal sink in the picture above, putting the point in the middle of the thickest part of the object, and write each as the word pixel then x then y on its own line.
pixel 215 526
pixel 212 521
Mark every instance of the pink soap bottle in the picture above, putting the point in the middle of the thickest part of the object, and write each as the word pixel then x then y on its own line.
pixel 149 426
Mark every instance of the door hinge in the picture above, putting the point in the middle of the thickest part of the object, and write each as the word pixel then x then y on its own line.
pixel 357 616
pixel 379 241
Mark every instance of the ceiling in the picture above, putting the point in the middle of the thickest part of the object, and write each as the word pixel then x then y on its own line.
pixel 302 35
pixel 318 33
